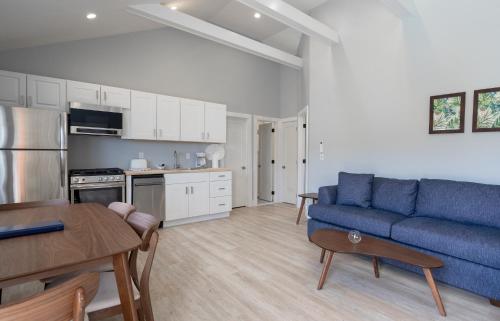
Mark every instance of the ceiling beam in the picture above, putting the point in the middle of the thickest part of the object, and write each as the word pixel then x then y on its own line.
pixel 401 8
pixel 201 28
pixel 294 18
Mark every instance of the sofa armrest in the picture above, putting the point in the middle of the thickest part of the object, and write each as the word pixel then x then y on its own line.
pixel 327 195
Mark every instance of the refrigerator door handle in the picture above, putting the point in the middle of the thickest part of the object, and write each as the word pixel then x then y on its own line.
pixel 62 159
pixel 63 130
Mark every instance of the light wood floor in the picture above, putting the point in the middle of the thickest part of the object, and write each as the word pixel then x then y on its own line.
pixel 258 265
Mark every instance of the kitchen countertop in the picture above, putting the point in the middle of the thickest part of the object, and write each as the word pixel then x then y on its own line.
pixel 174 171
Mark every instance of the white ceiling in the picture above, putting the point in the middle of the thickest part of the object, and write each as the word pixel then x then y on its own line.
pixel 27 23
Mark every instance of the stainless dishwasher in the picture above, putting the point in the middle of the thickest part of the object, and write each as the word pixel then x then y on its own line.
pixel 148 195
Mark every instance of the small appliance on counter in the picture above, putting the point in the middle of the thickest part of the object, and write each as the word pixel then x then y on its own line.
pixel 102 185
pixel 215 153
pixel 139 164
pixel 201 160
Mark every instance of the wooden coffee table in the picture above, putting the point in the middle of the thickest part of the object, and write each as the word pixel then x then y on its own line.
pixel 333 241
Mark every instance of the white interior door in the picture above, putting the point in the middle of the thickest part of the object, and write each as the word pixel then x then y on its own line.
pixel 142 116
pixel 236 159
pixel 289 162
pixel 168 118
pixel 265 166
pixel 12 89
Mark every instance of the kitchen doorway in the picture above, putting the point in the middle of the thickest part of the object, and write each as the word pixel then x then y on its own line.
pixel 238 157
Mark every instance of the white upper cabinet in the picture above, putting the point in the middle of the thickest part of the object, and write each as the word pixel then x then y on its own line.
pixel 142 116
pixel 215 123
pixel 168 118
pixel 12 88
pixel 83 92
pixel 192 120
pixel 46 93
pixel 115 97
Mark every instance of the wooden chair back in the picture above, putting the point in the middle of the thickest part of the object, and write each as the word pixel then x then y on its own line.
pixel 122 209
pixel 146 226
pixel 18 206
pixel 62 303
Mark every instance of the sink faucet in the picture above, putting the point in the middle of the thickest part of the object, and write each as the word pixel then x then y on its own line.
pixel 176 160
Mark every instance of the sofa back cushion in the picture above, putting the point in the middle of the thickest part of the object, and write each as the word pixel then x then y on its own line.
pixel 463 202
pixel 395 195
pixel 355 189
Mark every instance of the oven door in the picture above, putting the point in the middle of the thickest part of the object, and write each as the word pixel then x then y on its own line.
pixel 93 122
pixel 104 194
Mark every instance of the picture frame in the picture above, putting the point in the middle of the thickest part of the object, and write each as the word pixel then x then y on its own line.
pixel 447 114
pixel 486 114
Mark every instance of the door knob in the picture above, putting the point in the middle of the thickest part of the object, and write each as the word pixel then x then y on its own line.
pixel 243 167
pixel 283 166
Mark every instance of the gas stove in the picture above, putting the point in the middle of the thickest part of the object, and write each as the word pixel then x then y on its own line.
pixel 96 176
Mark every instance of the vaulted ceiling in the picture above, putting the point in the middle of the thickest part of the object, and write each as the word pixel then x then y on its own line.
pixel 27 23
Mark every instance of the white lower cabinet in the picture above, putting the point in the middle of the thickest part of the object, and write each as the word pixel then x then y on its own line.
pixel 189 196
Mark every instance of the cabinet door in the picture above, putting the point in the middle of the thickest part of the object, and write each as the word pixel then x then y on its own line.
pixel 168 118
pixel 176 201
pixel 192 120
pixel 215 123
pixel 83 92
pixel 115 97
pixel 46 93
pixel 142 116
pixel 199 199
pixel 12 88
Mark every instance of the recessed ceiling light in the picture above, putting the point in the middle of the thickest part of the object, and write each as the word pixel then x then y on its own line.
pixel 257 15
pixel 91 16
pixel 173 8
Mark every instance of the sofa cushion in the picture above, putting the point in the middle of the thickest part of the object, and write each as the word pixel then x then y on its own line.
pixel 463 202
pixel 327 195
pixel 478 244
pixel 395 195
pixel 371 221
pixel 355 189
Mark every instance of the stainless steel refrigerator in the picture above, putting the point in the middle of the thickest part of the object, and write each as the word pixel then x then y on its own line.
pixel 33 155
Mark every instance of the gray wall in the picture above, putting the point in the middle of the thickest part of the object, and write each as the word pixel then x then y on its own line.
pixel 164 61
pixel 369 95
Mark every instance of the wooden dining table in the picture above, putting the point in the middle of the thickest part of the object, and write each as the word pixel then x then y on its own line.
pixel 93 236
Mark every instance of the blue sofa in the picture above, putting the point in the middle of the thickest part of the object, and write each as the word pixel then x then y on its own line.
pixel 458 222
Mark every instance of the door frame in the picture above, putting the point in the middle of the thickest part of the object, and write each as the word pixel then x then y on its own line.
pixel 249 159
pixel 281 141
pixel 303 151
pixel 257 120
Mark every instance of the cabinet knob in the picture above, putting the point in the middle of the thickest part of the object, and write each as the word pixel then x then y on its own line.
pixel 243 167
pixel 187 190
pixel 283 166
pixel 192 190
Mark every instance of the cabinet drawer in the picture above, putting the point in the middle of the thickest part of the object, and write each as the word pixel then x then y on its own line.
pixel 220 204
pixel 220 188
pixel 220 176
pixel 186 178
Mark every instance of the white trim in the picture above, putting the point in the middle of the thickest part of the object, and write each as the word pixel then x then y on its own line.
pixel 256 120
pixel 249 158
pixel 303 151
pixel 294 18
pixel 176 19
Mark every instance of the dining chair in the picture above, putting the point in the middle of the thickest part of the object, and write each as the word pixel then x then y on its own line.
pixel 19 206
pixel 107 302
pixel 62 303
pixel 122 209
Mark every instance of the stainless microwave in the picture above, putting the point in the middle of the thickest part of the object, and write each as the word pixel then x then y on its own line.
pixel 95 120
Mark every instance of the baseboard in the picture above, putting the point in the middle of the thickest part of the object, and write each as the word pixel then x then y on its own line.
pixel 189 220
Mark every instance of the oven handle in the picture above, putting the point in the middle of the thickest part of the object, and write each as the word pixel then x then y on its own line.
pixel 97 186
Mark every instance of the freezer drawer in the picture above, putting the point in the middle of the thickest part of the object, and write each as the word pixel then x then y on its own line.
pixel 32 175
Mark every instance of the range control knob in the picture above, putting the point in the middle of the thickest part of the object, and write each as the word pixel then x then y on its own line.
pixel 75 180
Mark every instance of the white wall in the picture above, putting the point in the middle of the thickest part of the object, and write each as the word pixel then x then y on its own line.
pixel 369 96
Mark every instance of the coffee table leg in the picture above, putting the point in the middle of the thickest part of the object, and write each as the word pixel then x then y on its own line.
pixel 375 266
pixel 301 209
pixel 322 258
pixel 326 267
pixel 435 291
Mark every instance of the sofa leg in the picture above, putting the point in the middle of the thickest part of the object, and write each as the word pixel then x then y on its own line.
pixel 495 303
